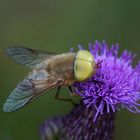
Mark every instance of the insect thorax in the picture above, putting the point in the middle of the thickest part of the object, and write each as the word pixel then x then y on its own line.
pixel 62 66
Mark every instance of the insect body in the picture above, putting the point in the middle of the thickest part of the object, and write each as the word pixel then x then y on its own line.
pixel 48 71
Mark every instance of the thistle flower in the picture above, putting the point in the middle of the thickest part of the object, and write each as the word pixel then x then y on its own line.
pixel 114 86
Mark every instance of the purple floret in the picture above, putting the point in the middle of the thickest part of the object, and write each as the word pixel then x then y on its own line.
pixel 116 83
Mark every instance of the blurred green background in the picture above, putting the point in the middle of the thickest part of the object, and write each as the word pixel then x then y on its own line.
pixel 58 25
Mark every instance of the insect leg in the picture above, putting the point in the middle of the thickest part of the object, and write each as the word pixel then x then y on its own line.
pixel 71 91
pixel 97 81
pixel 61 98
pixel 98 65
pixel 97 74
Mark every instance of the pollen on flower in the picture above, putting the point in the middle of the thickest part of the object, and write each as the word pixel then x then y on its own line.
pixel 116 83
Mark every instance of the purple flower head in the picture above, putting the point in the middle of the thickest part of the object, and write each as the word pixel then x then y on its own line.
pixel 116 83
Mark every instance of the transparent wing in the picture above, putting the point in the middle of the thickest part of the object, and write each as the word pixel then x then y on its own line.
pixel 29 89
pixel 28 57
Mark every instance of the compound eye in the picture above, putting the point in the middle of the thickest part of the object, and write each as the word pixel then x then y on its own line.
pixel 83 69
